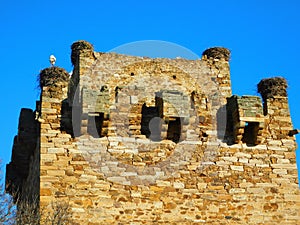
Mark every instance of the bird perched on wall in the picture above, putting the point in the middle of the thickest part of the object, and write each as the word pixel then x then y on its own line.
pixel 52 60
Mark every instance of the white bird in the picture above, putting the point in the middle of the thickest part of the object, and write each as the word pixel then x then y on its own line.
pixel 52 60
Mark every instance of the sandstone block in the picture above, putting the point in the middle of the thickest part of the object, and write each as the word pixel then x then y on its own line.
pixel 237 168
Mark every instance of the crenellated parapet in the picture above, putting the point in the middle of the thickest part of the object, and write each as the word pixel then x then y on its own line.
pixel 80 48
pixel 218 60
pixel 157 140
pixel 245 119
pixel 253 121
pixel 276 107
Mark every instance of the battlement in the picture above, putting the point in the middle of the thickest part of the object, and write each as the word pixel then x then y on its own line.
pixel 157 140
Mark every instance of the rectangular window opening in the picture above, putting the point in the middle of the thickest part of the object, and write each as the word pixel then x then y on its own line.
pixel 95 125
pixel 151 123
pixel 174 129
pixel 250 133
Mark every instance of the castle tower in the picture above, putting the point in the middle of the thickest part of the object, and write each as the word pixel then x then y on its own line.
pixel 139 140
pixel 53 142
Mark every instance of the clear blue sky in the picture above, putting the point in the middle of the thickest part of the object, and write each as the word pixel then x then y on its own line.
pixel 263 36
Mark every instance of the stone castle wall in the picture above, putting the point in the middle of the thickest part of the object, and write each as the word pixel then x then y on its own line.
pixel 133 140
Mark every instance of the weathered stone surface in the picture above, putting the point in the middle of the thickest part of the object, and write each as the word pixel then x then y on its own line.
pixel 147 141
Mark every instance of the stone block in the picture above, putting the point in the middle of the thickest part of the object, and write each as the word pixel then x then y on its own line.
pixel 280 171
pixel 56 150
pixel 237 168
pixel 178 185
pixel 161 183
pixel 134 100
pixel 284 166
pixel 58 173
pixel 48 157
pixel 236 190
pixel 230 159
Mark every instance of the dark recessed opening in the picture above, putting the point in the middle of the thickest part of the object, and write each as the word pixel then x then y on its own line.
pixel 174 77
pixel 104 88
pixel 151 123
pixel 174 129
pixel 250 133
pixel 265 108
pixel 193 100
pixel 95 124
pixel 204 134
pixel 132 74
pixel 116 94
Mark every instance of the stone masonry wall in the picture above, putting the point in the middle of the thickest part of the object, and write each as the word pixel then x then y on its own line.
pixel 24 166
pixel 137 156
